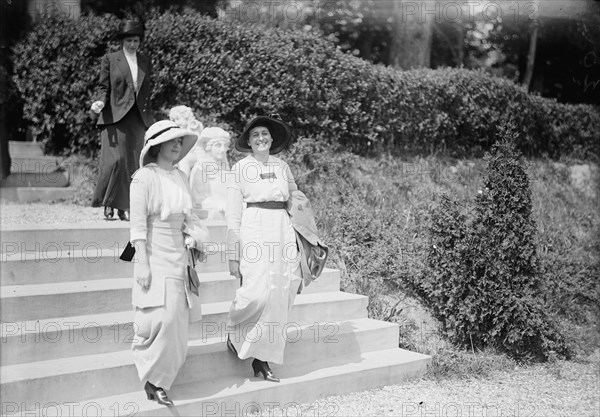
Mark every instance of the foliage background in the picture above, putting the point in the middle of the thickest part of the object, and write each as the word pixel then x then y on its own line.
pixel 235 72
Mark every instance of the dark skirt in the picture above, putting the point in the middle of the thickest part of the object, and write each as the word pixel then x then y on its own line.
pixel 121 144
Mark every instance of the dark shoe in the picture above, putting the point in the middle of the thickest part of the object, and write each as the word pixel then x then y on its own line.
pixel 157 394
pixel 109 212
pixel 261 367
pixel 123 215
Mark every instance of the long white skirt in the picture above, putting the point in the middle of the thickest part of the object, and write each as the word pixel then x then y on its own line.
pixel 161 334
pixel 270 268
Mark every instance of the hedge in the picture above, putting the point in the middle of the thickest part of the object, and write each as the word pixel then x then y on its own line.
pixel 233 72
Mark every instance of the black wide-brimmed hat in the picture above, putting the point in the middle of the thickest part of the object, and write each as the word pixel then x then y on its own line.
pixel 280 132
pixel 130 27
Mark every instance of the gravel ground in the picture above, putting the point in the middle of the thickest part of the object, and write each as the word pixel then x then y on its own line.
pixel 557 389
pixel 13 214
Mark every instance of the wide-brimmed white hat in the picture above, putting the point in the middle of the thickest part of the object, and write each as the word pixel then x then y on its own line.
pixel 164 131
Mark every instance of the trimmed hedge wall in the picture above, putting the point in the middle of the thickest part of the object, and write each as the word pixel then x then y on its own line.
pixel 233 72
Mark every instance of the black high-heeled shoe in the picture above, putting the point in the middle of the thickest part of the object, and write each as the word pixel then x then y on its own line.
pixel 157 394
pixel 123 215
pixel 230 346
pixel 261 367
pixel 108 212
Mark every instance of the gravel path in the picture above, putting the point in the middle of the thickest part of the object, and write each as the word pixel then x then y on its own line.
pixel 13 214
pixel 557 389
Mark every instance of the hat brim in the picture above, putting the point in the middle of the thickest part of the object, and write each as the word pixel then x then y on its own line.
pixel 121 36
pixel 280 132
pixel 189 141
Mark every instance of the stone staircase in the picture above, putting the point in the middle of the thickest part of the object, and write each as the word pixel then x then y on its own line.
pixel 34 176
pixel 67 329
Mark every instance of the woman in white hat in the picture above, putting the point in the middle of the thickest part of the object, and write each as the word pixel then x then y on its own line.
pixel 261 246
pixel 162 225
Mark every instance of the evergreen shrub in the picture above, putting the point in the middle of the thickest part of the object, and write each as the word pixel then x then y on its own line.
pixel 236 71
pixel 483 278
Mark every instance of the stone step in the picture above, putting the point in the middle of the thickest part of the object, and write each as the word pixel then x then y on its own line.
pixel 19 239
pixel 35 194
pixel 89 263
pixel 75 298
pixel 19 148
pixel 86 376
pixel 35 179
pixel 42 165
pixel 63 337
pixel 244 394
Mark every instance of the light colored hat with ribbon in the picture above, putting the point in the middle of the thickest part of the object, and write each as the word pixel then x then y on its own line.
pixel 164 131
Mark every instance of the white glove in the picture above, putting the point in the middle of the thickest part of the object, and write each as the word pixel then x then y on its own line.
pixel 190 242
pixel 97 106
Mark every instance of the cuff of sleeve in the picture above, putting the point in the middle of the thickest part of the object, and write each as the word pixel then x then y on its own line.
pixel 137 236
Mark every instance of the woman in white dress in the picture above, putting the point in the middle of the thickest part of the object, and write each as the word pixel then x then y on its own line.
pixel 162 226
pixel 261 246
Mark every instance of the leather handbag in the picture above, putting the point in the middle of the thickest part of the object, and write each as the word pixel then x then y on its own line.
pixel 192 274
pixel 128 253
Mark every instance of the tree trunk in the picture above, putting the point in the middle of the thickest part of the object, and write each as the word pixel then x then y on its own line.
pixel 460 45
pixel 531 56
pixel 411 43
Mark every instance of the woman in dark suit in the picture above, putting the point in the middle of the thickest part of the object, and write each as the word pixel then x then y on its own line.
pixel 123 104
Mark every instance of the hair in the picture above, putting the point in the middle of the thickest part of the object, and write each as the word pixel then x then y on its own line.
pixel 154 151
pixel 122 38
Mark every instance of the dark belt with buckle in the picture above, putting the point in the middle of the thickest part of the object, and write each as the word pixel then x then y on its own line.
pixel 271 205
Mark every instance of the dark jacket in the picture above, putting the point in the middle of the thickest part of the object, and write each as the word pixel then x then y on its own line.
pixel 117 90
pixel 313 251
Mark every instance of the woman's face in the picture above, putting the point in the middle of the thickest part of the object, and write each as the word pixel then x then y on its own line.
pixel 260 139
pixel 131 43
pixel 170 150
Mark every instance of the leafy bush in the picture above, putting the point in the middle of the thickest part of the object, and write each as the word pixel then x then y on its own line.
pixel 233 71
pixel 484 281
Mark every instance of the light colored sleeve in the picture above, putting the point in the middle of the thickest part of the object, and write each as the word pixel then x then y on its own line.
pixel 139 197
pixel 233 214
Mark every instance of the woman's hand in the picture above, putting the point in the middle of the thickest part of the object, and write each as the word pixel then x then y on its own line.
pixel 141 273
pixel 234 270
pixel 97 106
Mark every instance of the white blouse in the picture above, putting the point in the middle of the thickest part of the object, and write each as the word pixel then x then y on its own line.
pixel 157 192
pixel 132 61
pixel 252 181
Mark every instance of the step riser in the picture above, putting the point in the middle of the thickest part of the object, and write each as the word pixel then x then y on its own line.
pixel 55 266
pixel 201 365
pixel 42 165
pixel 289 397
pixel 55 340
pixel 36 179
pixel 17 309
pixel 106 235
pixel 25 149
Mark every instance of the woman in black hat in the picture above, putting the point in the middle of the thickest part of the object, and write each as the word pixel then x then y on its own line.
pixel 123 103
pixel 261 246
